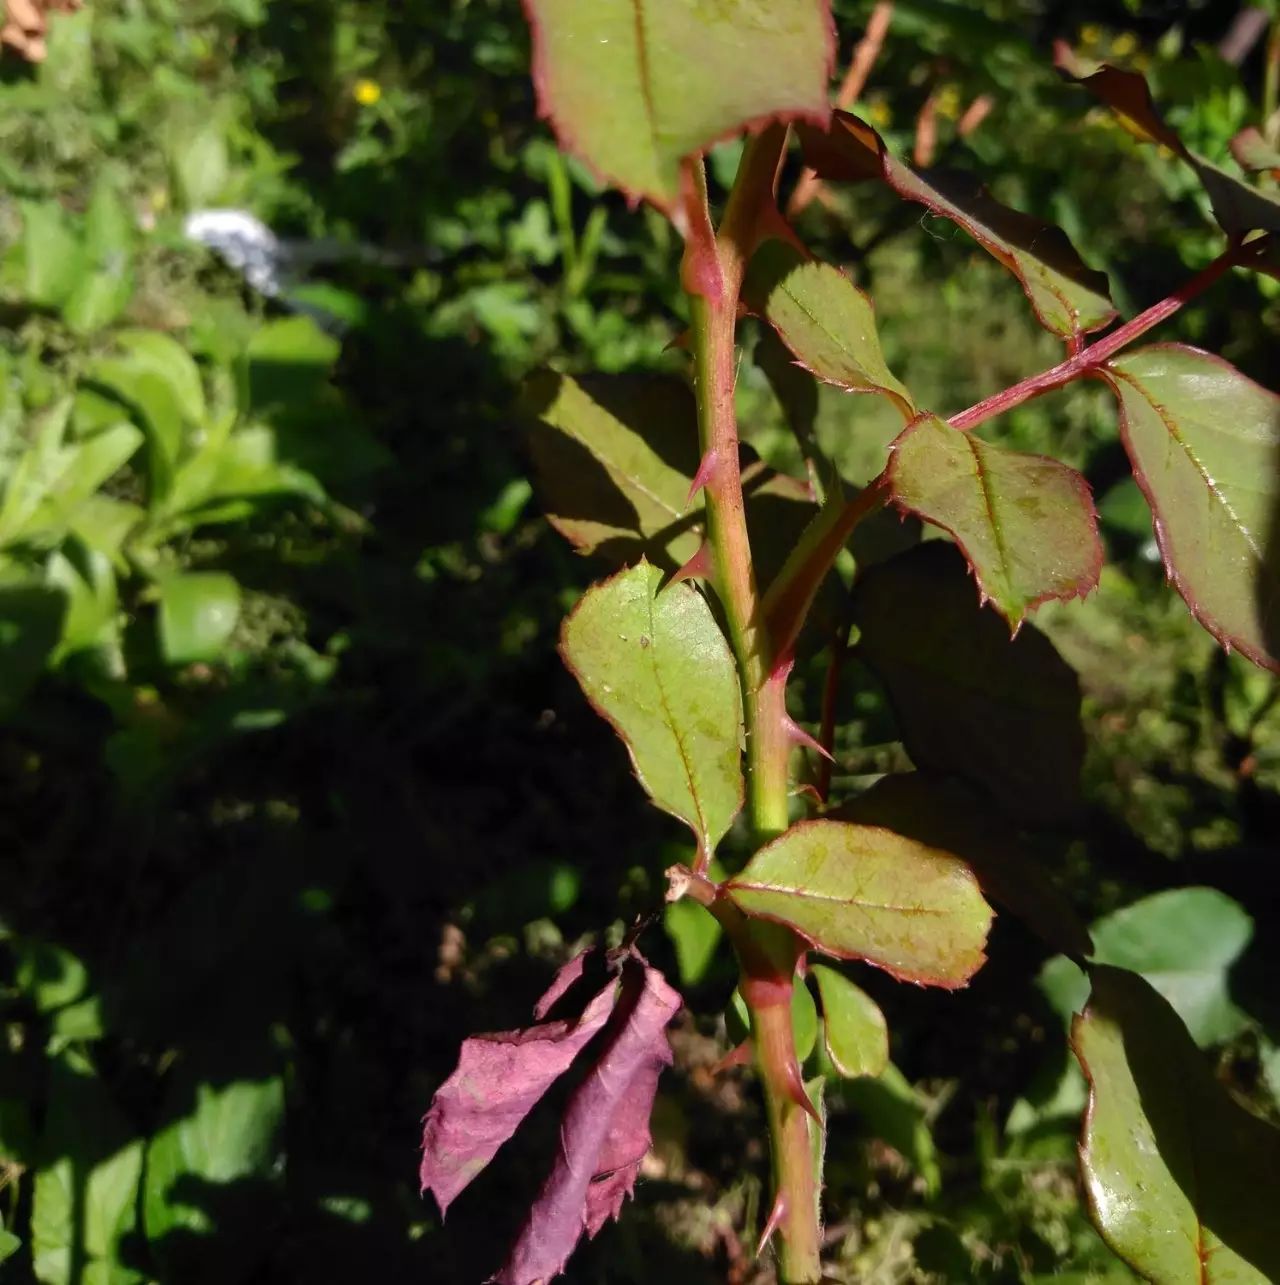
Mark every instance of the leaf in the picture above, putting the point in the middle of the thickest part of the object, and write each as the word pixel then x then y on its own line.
pixel 1184 942
pixel 657 667
pixel 826 321
pixel 1180 1180
pixel 1069 298
pixel 229 1135
pixel 856 1034
pixel 1204 442
pixel 860 892
pixel 633 90
pixel 1025 522
pixel 30 625
pixel 81 468
pixel 604 1135
pixel 84 1200
pixel 498 1080
pixel 1253 152
pixel 288 361
pixel 52 252
pixel 106 286
pixel 198 613
pixel 804 1018
pixel 614 458
pixel 939 812
pixel 1001 713
pixel 85 577
pixel 9 1244
pixel 893 1111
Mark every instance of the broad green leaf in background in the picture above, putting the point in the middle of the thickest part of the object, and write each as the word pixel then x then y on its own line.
pixel 824 319
pixel 634 90
pixel 52 252
pixel 1180 1179
pixel 1000 713
pixel 1204 442
pixel 694 931
pixel 1025 522
pixel 106 285
pixel 31 618
pixel 85 1195
pixel 86 578
pixel 288 361
pixel 856 1034
pixel 9 1244
pixel 893 1111
pixel 228 1133
pixel 614 457
pixel 940 812
pixel 75 476
pixel 198 612
pixel 860 892
pixel 657 667
pixel 1184 942
pixel 1069 298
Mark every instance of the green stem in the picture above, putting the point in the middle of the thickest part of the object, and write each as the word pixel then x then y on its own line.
pixel 712 272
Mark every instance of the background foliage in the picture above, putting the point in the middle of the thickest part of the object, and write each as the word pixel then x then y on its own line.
pixel 295 789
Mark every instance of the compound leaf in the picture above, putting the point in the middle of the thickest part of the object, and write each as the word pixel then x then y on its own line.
pixel 1204 442
pixel 860 892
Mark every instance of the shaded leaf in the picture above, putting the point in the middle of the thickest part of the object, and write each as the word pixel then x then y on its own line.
pixel 634 90
pixel 860 892
pixel 893 1111
pixel 604 1134
pixel 856 1034
pixel 1184 942
pixel 826 321
pixel 1204 442
pixel 657 667
pixel 1180 1180
pixel 1253 152
pixel 1000 713
pixel 1068 297
pixel 30 626
pixel 198 613
pixel 498 1081
pixel 1026 523
pixel 941 813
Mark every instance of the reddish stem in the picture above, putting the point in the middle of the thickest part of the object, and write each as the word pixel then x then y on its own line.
pixel 1087 360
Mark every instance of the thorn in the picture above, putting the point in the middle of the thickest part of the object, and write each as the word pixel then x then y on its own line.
pixel 795 1091
pixel 776 1215
pixel 681 341
pixel 707 467
pixel 797 734
pixel 811 791
pixel 699 567
pixel 740 1056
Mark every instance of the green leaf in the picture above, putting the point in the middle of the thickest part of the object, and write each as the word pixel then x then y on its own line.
pixel 82 467
pixel 804 1017
pixel 856 1034
pixel 84 1201
pixel 940 812
pixel 1184 942
pixel 824 319
pixel 634 90
pixel 1069 298
pixel 229 1133
pixel 30 625
pixel 1025 522
pixel 860 892
pixel 106 286
pixel 9 1244
pixel 198 613
pixel 892 1110
pixel 614 457
pixel 86 578
pixel 657 667
pixel 52 252
pixel 1001 713
pixel 1204 442
pixel 1180 1180
pixel 289 361
pixel 695 933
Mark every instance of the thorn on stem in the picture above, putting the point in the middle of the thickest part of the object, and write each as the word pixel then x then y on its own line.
pixel 772 1223
pixel 699 567
pixel 740 1056
pixel 799 736
pixel 708 466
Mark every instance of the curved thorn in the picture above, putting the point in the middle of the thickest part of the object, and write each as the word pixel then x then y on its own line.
pixel 740 1056
pixel 799 736
pixel 699 567
pixel 707 469
pixel 776 1215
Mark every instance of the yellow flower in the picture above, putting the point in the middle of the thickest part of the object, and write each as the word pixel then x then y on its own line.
pixel 947 102
pixel 878 113
pixel 366 92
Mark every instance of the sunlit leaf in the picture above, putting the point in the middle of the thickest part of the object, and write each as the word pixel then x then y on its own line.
pixel 634 90
pixel 1025 522
pixel 658 668
pixel 1180 1179
pixel 52 252
pixel 198 612
pixel 860 892
pixel 106 284
pixel 1204 442
pixel 1069 298
pixel 1000 713
pixel 826 321
pixel 856 1034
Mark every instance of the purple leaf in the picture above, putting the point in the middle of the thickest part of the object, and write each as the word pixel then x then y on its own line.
pixel 499 1079
pixel 604 1134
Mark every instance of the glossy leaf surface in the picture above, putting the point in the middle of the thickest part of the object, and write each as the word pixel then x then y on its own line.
pixel 824 319
pixel 1025 522
pixel 860 892
pixel 658 668
pixel 1000 713
pixel 856 1034
pixel 940 812
pixel 1204 442
pixel 1180 1180
pixel 198 612
pixel 634 89
pixel 1068 297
